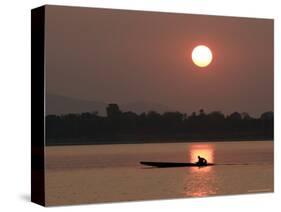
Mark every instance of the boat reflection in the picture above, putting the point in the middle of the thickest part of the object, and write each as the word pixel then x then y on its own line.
pixel 200 181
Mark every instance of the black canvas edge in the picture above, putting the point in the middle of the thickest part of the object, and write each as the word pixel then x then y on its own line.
pixel 38 105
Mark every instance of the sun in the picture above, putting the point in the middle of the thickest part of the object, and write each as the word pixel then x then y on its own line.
pixel 202 56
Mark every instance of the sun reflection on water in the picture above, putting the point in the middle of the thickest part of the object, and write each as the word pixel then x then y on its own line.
pixel 200 181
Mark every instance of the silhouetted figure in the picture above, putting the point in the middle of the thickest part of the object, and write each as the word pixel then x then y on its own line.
pixel 201 161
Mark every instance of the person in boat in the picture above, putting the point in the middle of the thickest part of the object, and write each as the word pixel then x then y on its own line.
pixel 201 161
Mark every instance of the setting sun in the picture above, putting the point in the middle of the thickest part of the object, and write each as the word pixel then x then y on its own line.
pixel 201 56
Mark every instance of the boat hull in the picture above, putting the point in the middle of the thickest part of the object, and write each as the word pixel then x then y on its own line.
pixel 172 164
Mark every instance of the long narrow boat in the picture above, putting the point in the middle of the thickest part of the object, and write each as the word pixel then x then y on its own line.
pixel 172 164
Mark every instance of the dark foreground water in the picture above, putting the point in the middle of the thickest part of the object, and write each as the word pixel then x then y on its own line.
pixel 106 173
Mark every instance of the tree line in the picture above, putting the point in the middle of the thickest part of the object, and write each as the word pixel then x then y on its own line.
pixel 128 127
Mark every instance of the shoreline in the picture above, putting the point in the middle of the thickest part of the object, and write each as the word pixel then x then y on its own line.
pixel 164 141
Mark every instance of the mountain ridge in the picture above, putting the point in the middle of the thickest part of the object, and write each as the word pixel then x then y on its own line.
pixel 58 105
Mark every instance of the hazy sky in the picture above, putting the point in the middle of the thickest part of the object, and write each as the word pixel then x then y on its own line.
pixel 129 56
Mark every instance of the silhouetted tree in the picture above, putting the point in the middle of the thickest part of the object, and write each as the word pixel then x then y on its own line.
pixel 267 116
pixel 201 112
pixel 113 111
pixel 246 116
pixel 216 116
pixel 235 116
pixel 117 126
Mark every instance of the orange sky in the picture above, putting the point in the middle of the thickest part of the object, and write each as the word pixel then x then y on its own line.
pixel 128 56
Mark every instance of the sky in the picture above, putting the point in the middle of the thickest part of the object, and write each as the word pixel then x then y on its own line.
pixel 121 56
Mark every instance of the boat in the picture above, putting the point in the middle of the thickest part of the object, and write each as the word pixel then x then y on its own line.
pixel 173 164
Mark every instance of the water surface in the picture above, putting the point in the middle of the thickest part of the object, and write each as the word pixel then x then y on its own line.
pixel 106 173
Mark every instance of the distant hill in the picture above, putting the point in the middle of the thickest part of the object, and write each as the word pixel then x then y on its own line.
pixel 57 104
pixel 140 107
